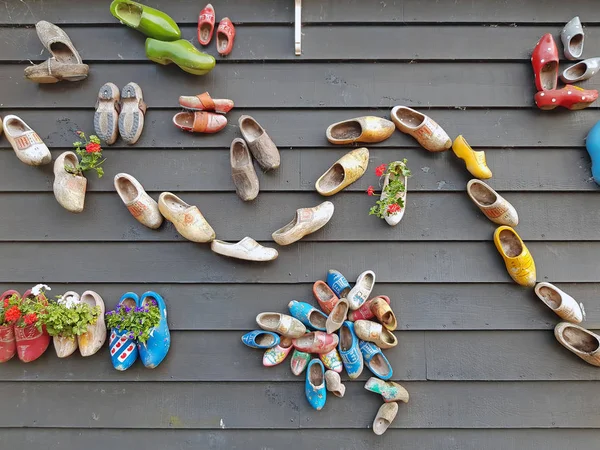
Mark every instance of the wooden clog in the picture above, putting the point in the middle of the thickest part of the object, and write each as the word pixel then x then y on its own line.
pixel 122 347
pixel 307 221
pixel 242 171
pixel 93 339
pixel 66 346
pixel 581 71
pixel 370 331
pixel 8 344
pixel 338 315
pixel 544 60
pixel 332 360
pixel 338 283
pixel 225 36
pixel 570 97
pixel 276 355
pixel 182 53
pixel 492 205
pixel 199 122
pixel 188 219
pixel 394 218
pixel 389 390
pixel 147 20
pixel 324 296
pixel 580 341
pixel 343 172
pixel 425 130
pixel 572 38
pixel 131 116
pixel 375 360
pixel 26 143
pixel 334 383
pixel 316 342
pixel 361 290
pixel 592 145
pixel 475 161
pixel 350 351
pixel 519 262
pixel 206 24
pixel 106 116
pixel 384 418
pixel 53 71
pixel 361 129
pixel 560 302
pixel 382 310
pixel 204 102
pixel 310 316
pixel 31 342
pixel 69 190
pixel 314 388
pixel 260 339
pixel 299 361
pixel 281 323
pixel 247 249
pixel 141 206
pixel 365 312
pixel 260 144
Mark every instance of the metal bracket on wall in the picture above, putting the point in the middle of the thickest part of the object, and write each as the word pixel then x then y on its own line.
pixel 297 31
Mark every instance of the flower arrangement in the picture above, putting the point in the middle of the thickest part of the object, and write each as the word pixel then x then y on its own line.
pixel 391 201
pixel 68 318
pixel 90 154
pixel 138 321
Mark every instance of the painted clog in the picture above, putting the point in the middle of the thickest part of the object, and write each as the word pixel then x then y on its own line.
pixel 383 312
pixel 141 206
pixel 394 218
pixel 324 296
pixel 581 71
pixel 299 361
pixel 492 205
pixel 66 346
pixel 247 249
pixel 31 342
pixel 131 115
pixel 338 283
pixel 123 349
pixel 344 172
pixel 350 351
pixel 106 116
pixel 307 221
pixel 93 339
pixel 8 345
pixel 560 302
pixel 225 36
pixel 316 342
pixel 570 97
pixel 260 339
pixel 592 144
pixel 580 341
pixel 276 355
pixel 281 323
pixel 334 383
pixel 204 102
pixel 361 129
pixel 384 418
pixel 26 143
pixel 389 390
pixel 337 316
pixel 332 360
pixel 259 143
pixel 188 220
pixel 206 24
pixel 572 38
pixel 155 349
pixel 375 360
pixel 182 53
pixel 199 122
pixel 425 130
pixel 365 312
pixel 518 260
pixel 370 331
pixel 242 170
pixel 315 384
pixel 475 161
pixel 310 316
pixel 150 21
pixel 544 60
pixel 359 294
pixel 69 189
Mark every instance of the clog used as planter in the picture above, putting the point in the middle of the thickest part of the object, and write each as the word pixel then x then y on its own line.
pixel 560 302
pixel 570 97
pixel 338 283
pixel 382 310
pixel 581 71
pixel 572 38
pixel 344 172
pixel 276 355
pixel 365 312
pixel 69 189
pixel 150 21
pixel 199 122
pixel 31 342
pixel 281 323
pixel 332 360
pixel 155 349
pixel 349 350
pixel 131 117
pixel 182 53
pixel 492 205
pixel 518 260
pixel 544 60
pixel 361 290
pixel 592 144
pixel 141 206
pixel 242 170
pixel 8 345
pixel 206 24
pixel 299 361
pixel 324 296
pixel 389 390
pixel 261 339
pixel 475 161
pixel 334 383
pixel 106 116
pixel 384 418
pixel 337 316
pixel 316 342
pixel 204 102
pixel 188 220
pixel 247 249
pixel 394 218
pixel 307 221
pixel 361 129
pixel 66 346
pixel 225 36
pixel 370 331
pixel 580 341
pixel 93 339
pixel 310 316
pixel 425 130
pixel 375 360
pixel 123 350
pixel 26 143
pixel 315 384
pixel 259 143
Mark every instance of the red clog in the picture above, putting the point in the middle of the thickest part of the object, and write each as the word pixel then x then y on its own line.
pixel 544 60
pixel 206 24
pixel 325 296
pixel 570 97
pixel 31 342
pixel 8 345
pixel 364 312
pixel 204 102
pixel 200 122
pixel 225 36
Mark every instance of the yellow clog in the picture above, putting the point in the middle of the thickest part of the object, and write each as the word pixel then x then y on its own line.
pixel 475 161
pixel 344 172
pixel 518 260
pixel 361 129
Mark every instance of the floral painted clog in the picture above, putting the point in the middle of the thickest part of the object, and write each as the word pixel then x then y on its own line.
pixel 247 249
pixel 475 161
pixel 370 331
pixel 338 283
pixel 315 391
pixel 106 116
pixel 281 323
pixel 544 60
pixel 141 206
pixel 592 144
pixel 26 143
pixel 199 122
pixel 206 24
pixel 334 383
pixel 204 102
pixel 69 189
pixel 131 115
pixel 182 53
pixel 362 129
pixel 361 290
pixel 581 71
pixel 344 172
pixel 580 341
pixel 384 418
pixel 95 336
pixel 261 339
pixel 276 355
pixel 155 349
pixel 188 220
pixel 365 312
pixel 225 36
pixel 375 360
pixel 150 21
pixel 123 348
pixel 316 342
pixel 425 130
pixel 570 97
pixel 518 260
pixel 349 350
pixel 8 345
pixel 492 205
pixel 259 143
pixel 389 390
pixel 560 302
pixel 307 221
pixel 242 171
pixel 299 361
pixel 572 38
pixel 332 360
pixel 382 310
pixel 310 316
pixel 337 316
pixel 324 296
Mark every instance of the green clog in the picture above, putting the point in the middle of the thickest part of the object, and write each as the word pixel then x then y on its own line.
pixel 182 53
pixel 150 21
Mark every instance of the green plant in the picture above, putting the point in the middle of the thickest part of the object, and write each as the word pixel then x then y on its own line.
pixel 90 154
pixel 68 320
pixel 138 321
pixel 392 202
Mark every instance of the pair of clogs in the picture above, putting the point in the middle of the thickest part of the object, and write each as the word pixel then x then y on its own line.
pixel 573 38
pixel 205 115
pixel 120 113
pixel 225 30
pixel 392 393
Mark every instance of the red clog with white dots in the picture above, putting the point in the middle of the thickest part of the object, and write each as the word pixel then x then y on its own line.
pixel 544 60
pixel 570 97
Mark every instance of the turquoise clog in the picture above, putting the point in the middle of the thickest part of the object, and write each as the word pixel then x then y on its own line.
pixel 338 283
pixel 155 349
pixel 349 350
pixel 308 315
pixel 316 394
pixel 152 22
pixel 122 346
pixel 261 339
pixel 375 360
pixel 592 144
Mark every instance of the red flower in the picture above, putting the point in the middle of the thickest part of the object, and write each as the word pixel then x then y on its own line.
pixel 380 170
pixel 30 319
pixel 6 303
pixel 93 147
pixel 393 208
pixel 370 190
pixel 13 314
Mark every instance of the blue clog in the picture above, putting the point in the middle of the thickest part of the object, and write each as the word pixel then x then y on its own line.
pixel 375 360
pixel 123 350
pixel 308 315
pixel 154 350
pixel 338 283
pixel 316 394
pixel 592 143
pixel 349 350
pixel 261 339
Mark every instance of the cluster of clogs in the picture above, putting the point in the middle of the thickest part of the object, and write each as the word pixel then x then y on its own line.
pixel 545 61
pixel 203 113
pixel 225 30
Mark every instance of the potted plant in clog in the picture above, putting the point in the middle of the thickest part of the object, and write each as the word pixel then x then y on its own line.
pixel 154 343
pixel 9 314
pixel 31 337
pixel 392 202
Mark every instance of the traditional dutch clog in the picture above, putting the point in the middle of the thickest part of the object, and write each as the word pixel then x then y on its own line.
pixel 141 206
pixel 199 122
pixel 394 218
pixel 572 38
pixel 425 130
pixel 381 309
pixel 259 143
pixel 95 336
pixel 31 342
pixel 310 316
pixel 592 144
pixel 375 360
pixel 69 189
pixel 337 316
pixel 204 102
pixel 155 349
pixel 384 418
pixel 66 346
pixel 206 24
pixel 492 205
pixel 276 355
pixel 242 170
pixel 570 97
pixel 518 260
pixel 544 60
pixel 338 283
pixel 334 383
pixel 365 312
pixel 389 390
pixel 281 323
pixel 307 221
pixel 53 71
pixel 299 361
pixel 188 220
pixel 315 384
pixel 8 345
pixel 475 161
pixel 26 143
pixel 123 349
pixel 580 341
pixel 106 116
pixel 316 342
pixel 149 21
pixel 359 294
pixel 361 129
pixel 344 172
pixel 182 53
pixel 261 339
pixel 581 71
pixel 560 302
pixel 131 116
pixel 324 296
pixel 370 331
pixel 332 360
pixel 225 36
pixel 350 351
pixel 247 249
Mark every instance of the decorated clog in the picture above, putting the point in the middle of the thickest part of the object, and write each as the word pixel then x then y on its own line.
pixel 31 342
pixel 307 221
pixel 281 323
pixel 592 144
pixel 66 346
pixel 384 418
pixel 394 218
pixel 370 331
pixel 247 249
pixel 206 24
pixel 95 336
pixel 334 383
pixel 310 316
pixel 182 53
pixel 299 361
pixel 315 384
pixel 389 390
pixel 361 129
pixel 332 360
pixel 123 348
pixel 259 143
pixel 425 130
pixel 344 172
pixel 518 260
pixel 361 290
pixel 242 170
pixel 225 36
pixel 324 296
pixel 8 345
pixel 570 97
pixel 150 21
pixel 375 360
pixel 26 143
pixel 131 116
pixel 316 342
pixel 204 102
pixel 350 351
pixel 155 349
pixel 338 283
pixel 337 316
pixel 572 38
pixel 69 189
pixel 382 310
pixel 580 341
pixel 141 206
pixel 475 161
pixel 276 355
pixel 261 339
pixel 560 302
pixel 581 71
pixel 188 220
pixel 365 312
pixel 106 116
pixel 544 60
pixel 199 121
pixel 492 205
